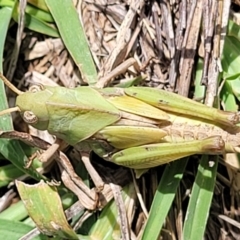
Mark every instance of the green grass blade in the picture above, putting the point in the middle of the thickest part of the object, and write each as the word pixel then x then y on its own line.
pixel 163 198
pixel 10 230
pixel 73 36
pixel 34 11
pixel 10 149
pixel 227 95
pixel 230 93
pixel 41 4
pixel 231 74
pixel 36 24
pixel 199 91
pixel 200 201
pixel 15 212
pixel 107 226
pixel 231 58
pixel 233 29
pixel 9 173
pixel 5 15
pixel 202 192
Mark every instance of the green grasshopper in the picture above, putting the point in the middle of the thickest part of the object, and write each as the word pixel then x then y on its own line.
pixel 137 127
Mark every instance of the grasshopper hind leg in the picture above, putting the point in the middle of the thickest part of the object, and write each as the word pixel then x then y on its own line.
pixel 153 155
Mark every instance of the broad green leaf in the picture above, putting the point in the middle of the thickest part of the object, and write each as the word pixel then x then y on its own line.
pixel 45 208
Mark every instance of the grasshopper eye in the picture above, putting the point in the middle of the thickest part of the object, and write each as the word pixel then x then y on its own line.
pixel 30 117
pixel 36 88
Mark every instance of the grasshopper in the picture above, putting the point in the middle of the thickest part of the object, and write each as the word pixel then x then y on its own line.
pixel 137 127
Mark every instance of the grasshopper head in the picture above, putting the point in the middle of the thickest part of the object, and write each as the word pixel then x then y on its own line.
pixel 32 106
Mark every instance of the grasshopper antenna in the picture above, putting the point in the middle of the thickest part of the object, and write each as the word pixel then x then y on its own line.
pixel 10 85
pixel 9 110
pixel 14 89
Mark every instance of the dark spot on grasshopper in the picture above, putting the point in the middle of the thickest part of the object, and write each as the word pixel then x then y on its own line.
pixel 162 101
pixel 121 153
